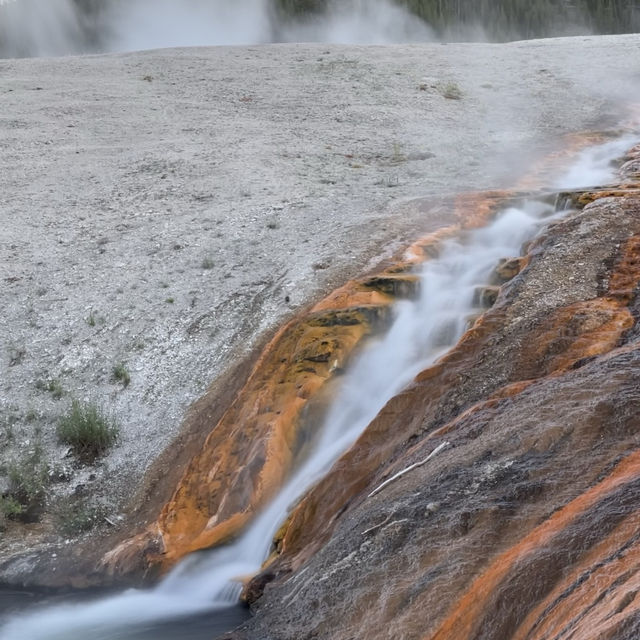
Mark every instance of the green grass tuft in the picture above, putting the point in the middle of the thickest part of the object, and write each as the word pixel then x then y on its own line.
pixel 450 91
pixel 87 430
pixel 76 518
pixel 121 374
pixel 28 483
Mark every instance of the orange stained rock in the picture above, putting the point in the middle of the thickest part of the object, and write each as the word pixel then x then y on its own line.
pixel 477 208
pixel 593 327
pixel 247 454
pixel 472 210
pixel 578 331
pixel 427 246
pixel 511 390
pixel 604 618
pixel 554 163
pixel 605 575
pixel 353 293
pixel 312 520
pixel 591 196
pixel 467 614
pixel 626 274
pixel 379 290
pixel 581 330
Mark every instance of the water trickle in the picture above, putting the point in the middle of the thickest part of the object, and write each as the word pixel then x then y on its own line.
pixel 421 332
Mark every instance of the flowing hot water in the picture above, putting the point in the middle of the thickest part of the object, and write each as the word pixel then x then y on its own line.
pixel 421 332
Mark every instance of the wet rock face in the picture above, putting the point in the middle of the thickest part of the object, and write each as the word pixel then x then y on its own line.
pixel 525 525
pixel 248 453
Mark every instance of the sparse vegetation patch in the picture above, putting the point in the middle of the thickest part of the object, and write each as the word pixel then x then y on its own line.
pixel 87 430
pixel 26 495
pixel 121 374
pixel 53 386
pixel 450 91
pixel 74 517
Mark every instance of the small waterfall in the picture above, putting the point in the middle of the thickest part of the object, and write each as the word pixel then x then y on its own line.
pixel 422 331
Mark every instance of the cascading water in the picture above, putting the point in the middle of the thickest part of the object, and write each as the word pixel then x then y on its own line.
pixel 421 332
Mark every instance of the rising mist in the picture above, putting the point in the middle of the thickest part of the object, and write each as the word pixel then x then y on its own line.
pixel 62 27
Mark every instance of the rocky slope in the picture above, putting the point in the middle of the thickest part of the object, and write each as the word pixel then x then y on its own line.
pixel 524 522
pixel 168 210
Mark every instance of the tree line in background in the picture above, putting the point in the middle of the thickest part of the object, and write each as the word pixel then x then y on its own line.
pixel 506 19
pixel 94 24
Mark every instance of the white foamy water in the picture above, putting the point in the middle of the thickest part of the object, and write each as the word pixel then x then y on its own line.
pixel 595 166
pixel 421 332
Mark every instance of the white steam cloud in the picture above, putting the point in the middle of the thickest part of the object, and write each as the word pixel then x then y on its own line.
pixel 58 27
pixel 156 24
pixel 39 28
pixel 361 22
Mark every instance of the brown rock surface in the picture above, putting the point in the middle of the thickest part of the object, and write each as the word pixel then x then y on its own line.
pixel 249 452
pixel 526 524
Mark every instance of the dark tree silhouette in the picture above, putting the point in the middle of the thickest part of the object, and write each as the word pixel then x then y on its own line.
pixel 507 19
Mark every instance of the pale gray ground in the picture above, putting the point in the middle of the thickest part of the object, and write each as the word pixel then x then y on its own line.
pixel 179 196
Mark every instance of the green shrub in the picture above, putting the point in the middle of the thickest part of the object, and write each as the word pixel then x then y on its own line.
pixel 75 518
pixel 10 507
pixel 27 493
pixel 87 430
pixel 120 373
pixel 450 91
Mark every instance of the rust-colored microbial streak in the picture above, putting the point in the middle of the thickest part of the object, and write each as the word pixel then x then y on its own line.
pixel 573 575
pixel 624 279
pixel 596 595
pixel 246 456
pixel 472 613
pixel 250 450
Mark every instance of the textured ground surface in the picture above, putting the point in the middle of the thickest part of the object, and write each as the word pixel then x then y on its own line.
pixel 169 209
pixel 524 524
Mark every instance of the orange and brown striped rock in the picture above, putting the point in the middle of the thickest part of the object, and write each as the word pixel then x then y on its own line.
pixel 526 526
pixel 249 452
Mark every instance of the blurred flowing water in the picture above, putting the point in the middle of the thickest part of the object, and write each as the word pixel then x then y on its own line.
pixel 197 599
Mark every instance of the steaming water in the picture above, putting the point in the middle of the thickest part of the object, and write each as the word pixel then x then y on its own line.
pixel 58 27
pixel 32 28
pixel 594 166
pixel 421 332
